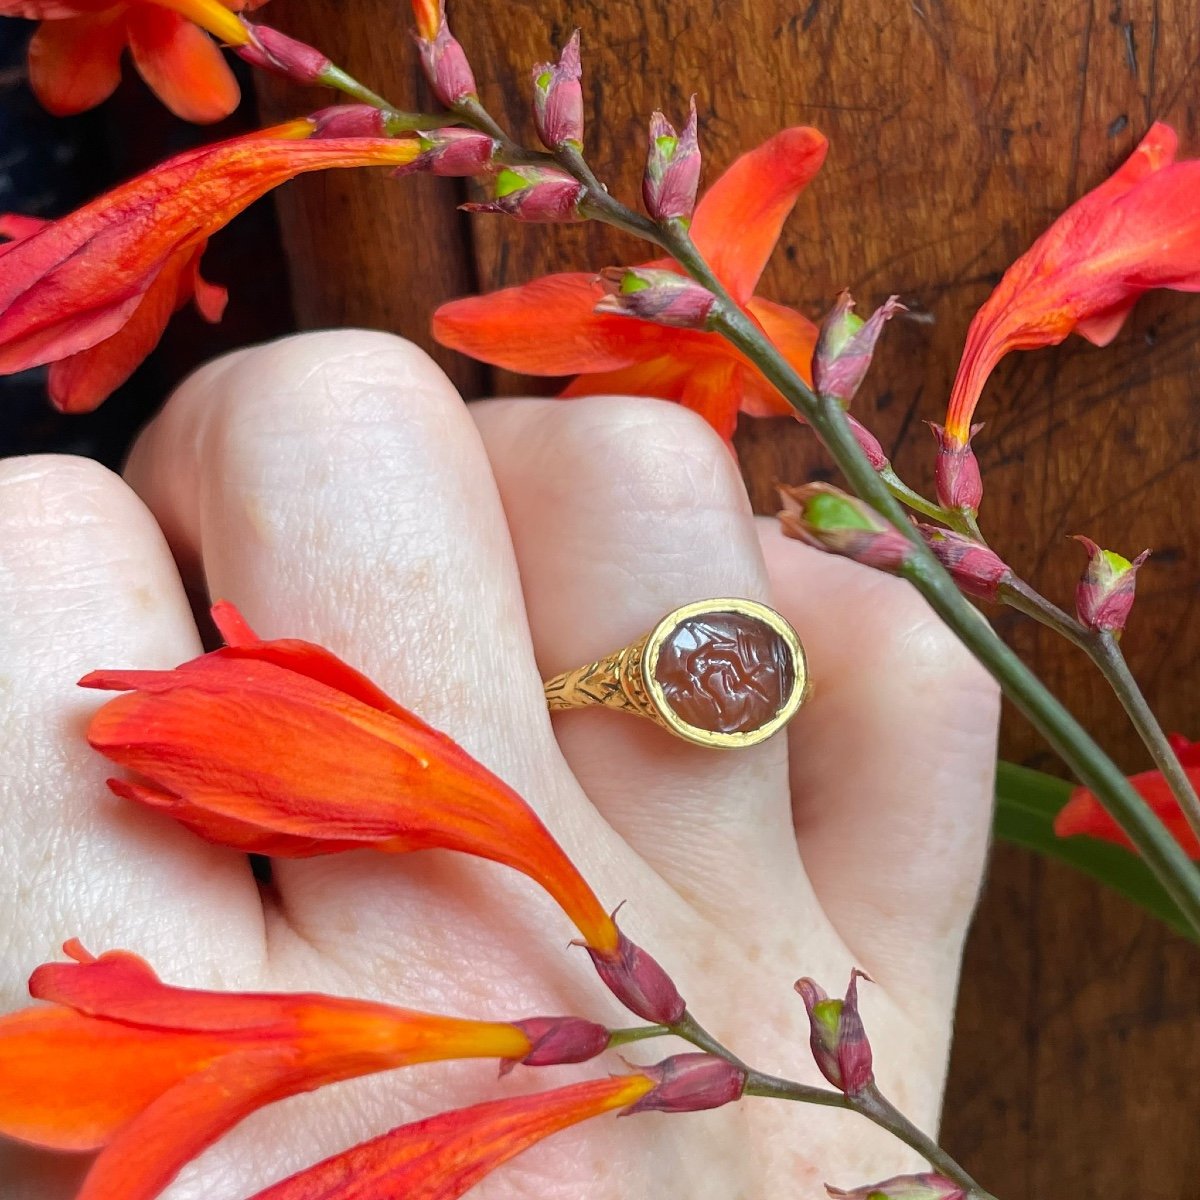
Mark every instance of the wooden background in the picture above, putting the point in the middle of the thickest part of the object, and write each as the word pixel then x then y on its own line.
pixel 958 131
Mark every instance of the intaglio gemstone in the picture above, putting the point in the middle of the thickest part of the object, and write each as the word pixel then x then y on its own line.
pixel 725 672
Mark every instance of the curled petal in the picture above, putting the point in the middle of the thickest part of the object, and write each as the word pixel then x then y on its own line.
pixel 75 63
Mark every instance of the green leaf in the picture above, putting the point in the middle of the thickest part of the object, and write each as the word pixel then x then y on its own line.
pixel 1026 805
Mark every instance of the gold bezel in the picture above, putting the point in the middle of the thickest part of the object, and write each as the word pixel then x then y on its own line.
pixel 706 737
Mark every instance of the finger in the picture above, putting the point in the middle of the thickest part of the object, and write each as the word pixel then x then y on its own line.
pixel 86 581
pixel 334 487
pixel 620 511
pixel 892 764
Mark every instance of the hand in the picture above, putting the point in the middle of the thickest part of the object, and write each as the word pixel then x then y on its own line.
pixel 335 488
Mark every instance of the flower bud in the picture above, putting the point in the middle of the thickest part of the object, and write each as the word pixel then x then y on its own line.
pixel 838 1039
pixel 1105 594
pixel 830 520
pixel 442 56
pixel 533 194
pixel 652 294
pixel 846 345
pixel 690 1083
pixel 926 1186
pixel 558 98
pixel 639 982
pixel 452 151
pixel 273 51
pixel 559 1040
pixel 349 120
pixel 868 442
pixel 978 570
pixel 956 472
pixel 672 169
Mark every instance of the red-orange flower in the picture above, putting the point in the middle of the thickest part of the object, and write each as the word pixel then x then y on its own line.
pixel 75 56
pixel 91 293
pixel 445 1156
pixel 550 326
pixel 1138 230
pixel 1084 814
pixel 280 748
pixel 150 1074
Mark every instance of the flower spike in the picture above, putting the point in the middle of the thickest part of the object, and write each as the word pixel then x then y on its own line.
pixel 846 346
pixel 270 50
pixel 151 1074
pixel 956 473
pixel 445 61
pixel 977 569
pixel 558 98
pixel 735 226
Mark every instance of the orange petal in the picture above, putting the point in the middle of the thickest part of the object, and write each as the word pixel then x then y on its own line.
pixel 75 63
pixel 182 65
pixel 261 745
pixel 69 1082
pixel 18 227
pixel 739 219
pixel 151 1149
pixel 81 382
pixel 1084 814
pixel 662 378
pixel 446 1155
pixel 715 393
pixel 795 337
pixel 75 283
pixel 546 327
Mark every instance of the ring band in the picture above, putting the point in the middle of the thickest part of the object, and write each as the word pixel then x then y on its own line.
pixel 724 672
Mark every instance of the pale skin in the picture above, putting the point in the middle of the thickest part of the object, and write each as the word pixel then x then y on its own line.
pixel 334 487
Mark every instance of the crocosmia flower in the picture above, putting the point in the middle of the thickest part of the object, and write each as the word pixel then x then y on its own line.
pixel 1084 814
pixel 91 293
pixel 1140 229
pixel 150 1075
pixel 551 326
pixel 75 55
pixel 447 1155
pixel 280 748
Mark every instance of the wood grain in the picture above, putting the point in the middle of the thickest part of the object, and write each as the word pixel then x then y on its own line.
pixel 958 131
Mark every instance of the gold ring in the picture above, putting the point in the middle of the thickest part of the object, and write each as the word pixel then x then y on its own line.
pixel 723 672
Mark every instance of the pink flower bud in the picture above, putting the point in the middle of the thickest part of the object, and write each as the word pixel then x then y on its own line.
pixel 690 1083
pixel 978 570
pixel 637 980
pixel 956 472
pixel 558 98
pixel 273 51
pixel 444 59
pixel 452 151
pixel 824 517
pixel 349 120
pixel 927 1186
pixel 672 168
pixel 838 1040
pixel 1105 594
pixel 652 294
pixel 869 443
pixel 534 194
pixel 559 1040
pixel 846 345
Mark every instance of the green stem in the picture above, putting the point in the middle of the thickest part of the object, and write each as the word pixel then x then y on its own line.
pixel 341 81
pixel 776 1088
pixel 914 500
pixel 1107 655
pixel 1105 652
pixel 688 1028
pixel 638 1033
pixel 872 1104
